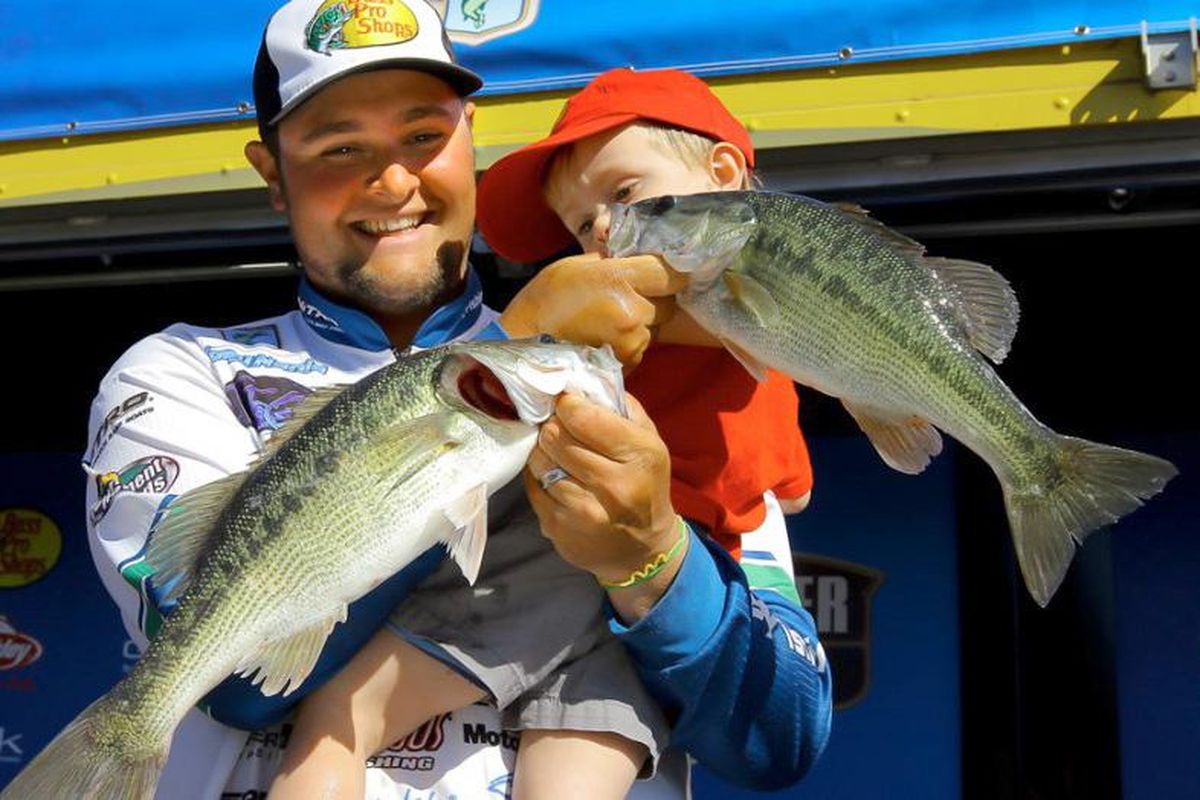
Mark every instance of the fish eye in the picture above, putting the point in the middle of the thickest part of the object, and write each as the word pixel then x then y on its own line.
pixel 661 205
pixel 545 338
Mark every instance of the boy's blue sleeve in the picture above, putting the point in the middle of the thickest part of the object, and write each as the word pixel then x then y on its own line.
pixel 237 702
pixel 740 672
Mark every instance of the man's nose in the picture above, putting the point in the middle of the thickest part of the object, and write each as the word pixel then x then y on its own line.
pixel 397 181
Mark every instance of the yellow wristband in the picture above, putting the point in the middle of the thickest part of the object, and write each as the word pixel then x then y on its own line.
pixel 655 566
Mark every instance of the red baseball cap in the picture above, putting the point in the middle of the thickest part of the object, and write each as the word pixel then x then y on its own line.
pixel 511 211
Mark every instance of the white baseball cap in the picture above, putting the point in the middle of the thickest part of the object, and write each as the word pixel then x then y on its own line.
pixel 308 44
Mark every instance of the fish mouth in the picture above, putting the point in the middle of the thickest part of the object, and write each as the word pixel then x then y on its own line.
pixel 622 230
pixel 479 388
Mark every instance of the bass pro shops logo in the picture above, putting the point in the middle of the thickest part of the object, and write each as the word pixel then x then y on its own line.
pixel 30 544
pixel 344 24
pixel 838 595
pixel 17 649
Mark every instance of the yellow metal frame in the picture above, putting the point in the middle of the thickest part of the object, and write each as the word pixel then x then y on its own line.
pixel 1085 83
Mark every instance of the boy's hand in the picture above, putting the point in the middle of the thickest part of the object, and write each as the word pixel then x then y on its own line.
pixel 612 514
pixel 592 300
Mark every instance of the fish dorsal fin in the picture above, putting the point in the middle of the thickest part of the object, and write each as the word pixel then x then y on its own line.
pixel 178 541
pixel 302 413
pixel 753 297
pixel 905 442
pixel 752 364
pixel 468 515
pixel 406 447
pixel 283 664
pixel 863 217
pixel 984 303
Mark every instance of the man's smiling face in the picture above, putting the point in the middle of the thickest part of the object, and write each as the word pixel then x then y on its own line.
pixel 377 175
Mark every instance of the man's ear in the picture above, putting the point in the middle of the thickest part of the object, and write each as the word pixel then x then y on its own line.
pixel 265 164
pixel 727 166
pixel 469 110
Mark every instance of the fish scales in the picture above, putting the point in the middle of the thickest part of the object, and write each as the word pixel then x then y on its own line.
pixel 355 487
pixel 849 307
pixel 853 304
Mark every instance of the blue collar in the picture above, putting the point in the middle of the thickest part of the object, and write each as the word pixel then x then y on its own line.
pixel 349 326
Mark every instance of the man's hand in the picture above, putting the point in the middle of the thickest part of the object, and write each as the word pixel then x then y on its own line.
pixel 592 300
pixel 613 514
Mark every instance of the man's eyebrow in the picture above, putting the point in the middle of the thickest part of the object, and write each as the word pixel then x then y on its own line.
pixel 414 114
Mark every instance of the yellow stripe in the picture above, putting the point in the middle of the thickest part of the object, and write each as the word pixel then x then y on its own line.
pixel 1086 83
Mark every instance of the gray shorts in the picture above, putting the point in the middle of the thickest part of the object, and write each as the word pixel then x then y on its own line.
pixel 532 631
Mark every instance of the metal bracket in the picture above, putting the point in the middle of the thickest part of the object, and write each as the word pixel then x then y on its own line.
pixel 1170 57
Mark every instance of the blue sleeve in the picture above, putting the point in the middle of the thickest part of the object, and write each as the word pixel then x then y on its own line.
pixel 741 673
pixel 237 702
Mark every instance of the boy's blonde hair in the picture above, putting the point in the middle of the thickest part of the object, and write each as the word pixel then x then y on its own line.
pixel 691 148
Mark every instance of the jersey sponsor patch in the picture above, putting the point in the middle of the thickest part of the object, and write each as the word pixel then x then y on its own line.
pixel 264 402
pixel 152 474
pixel 253 335
pixel 264 360
pixel 133 407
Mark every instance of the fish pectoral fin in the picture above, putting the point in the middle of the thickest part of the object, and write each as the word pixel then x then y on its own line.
pixel 753 297
pixel 905 442
pixel 408 446
pixel 302 412
pixel 984 304
pixel 287 662
pixel 752 364
pixel 178 540
pixel 468 515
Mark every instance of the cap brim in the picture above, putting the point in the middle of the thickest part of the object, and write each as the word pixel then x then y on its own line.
pixel 511 209
pixel 461 79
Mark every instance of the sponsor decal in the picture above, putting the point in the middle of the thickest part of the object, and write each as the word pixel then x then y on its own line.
pixel 253 335
pixel 152 474
pixel 133 407
pixel 17 649
pixel 800 644
pixel 308 365
pixel 267 743
pixel 348 24
pixel 264 402
pixel 30 544
pixel 425 739
pixel 10 747
pixel 477 21
pixel 479 733
pixel 838 595
pixel 317 317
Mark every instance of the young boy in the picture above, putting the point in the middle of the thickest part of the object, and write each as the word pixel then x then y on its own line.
pixel 735 444
pixel 736 447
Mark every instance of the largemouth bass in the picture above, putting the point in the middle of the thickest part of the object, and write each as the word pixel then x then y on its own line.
pixel 856 310
pixel 263 563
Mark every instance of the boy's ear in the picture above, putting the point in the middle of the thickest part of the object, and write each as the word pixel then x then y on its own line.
pixel 265 164
pixel 727 166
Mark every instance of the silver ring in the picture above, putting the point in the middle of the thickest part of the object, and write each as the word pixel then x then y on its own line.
pixel 552 476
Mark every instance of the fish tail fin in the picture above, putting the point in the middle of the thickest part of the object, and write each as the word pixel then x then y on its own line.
pixel 1087 486
pixel 76 765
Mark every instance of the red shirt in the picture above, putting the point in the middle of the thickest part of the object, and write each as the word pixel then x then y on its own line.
pixel 731 438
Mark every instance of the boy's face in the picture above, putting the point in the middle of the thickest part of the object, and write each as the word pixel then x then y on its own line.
pixel 377 176
pixel 623 166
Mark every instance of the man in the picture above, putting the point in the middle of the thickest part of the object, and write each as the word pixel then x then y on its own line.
pixel 366 146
